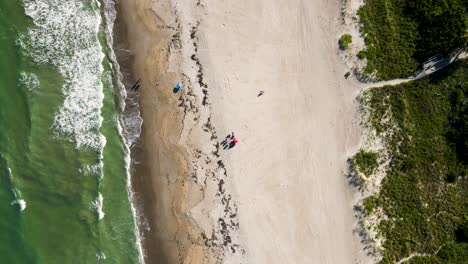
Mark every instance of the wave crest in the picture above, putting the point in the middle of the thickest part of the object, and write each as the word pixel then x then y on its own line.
pixel 65 34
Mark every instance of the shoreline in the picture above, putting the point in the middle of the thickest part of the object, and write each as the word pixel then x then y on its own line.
pixel 129 128
pixel 168 233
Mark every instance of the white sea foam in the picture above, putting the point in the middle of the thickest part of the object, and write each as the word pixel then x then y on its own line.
pixel 65 35
pixel 30 81
pixel 18 197
pixel 92 170
pixel 100 256
pixel 131 129
pixel 131 120
pixel 97 205
pixel 21 203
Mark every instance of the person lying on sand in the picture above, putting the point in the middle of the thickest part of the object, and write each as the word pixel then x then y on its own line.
pixel 233 142
pixel 228 138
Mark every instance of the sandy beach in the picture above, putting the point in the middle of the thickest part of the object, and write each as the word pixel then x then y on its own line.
pixel 280 195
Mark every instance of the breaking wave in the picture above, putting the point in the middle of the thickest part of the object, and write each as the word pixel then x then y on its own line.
pixel 65 34
pixel 129 125
pixel 18 197
pixel 21 203
pixel 92 170
pixel 100 257
pixel 97 206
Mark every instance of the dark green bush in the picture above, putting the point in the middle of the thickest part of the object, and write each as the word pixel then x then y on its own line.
pixel 362 54
pixel 366 161
pixel 461 233
pixel 345 41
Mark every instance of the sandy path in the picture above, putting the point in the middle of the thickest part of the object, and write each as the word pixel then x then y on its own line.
pixel 288 171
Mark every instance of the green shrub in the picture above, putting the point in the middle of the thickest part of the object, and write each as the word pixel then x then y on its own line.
pixel 345 41
pixel 370 204
pixel 362 54
pixel 366 162
pixel 424 138
pixel 401 34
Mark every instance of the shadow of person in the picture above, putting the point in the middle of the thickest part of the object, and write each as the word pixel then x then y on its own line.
pixel 175 90
pixel 231 144
pixel 226 139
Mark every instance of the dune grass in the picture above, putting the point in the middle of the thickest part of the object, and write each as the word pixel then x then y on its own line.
pixel 390 38
pixel 366 162
pixel 401 34
pixel 425 192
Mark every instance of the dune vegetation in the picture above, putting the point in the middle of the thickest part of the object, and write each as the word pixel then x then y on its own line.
pixel 424 195
pixel 344 41
pixel 402 34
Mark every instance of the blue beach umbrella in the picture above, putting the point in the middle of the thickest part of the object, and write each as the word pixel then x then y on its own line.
pixel 178 86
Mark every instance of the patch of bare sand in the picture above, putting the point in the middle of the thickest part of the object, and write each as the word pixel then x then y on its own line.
pixel 295 205
pixel 280 195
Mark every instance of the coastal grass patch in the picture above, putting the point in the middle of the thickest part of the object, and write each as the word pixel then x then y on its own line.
pixel 361 54
pixel 425 192
pixel 344 41
pixel 401 34
pixel 452 253
pixel 390 39
pixel 366 162
pixel 369 203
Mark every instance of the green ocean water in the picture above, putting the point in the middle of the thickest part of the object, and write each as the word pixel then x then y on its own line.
pixel 63 178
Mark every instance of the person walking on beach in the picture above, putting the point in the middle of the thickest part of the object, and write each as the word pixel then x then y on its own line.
pixel 260 93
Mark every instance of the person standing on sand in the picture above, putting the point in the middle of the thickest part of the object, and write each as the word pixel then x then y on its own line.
pixel 260 93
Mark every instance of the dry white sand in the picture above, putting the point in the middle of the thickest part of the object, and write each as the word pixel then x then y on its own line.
pixel 295 205
pixel 280 195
